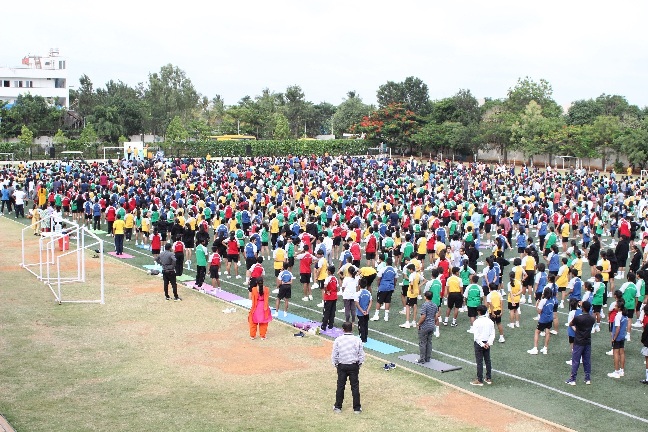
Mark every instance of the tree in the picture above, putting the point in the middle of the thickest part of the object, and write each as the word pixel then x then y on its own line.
pixel 41 117
pixel 176 132
pixel 198 129
pixel 463 107
pixel 444 137
pixel 495 127
pixel 282 128
pixel 88 137
pixel 602 134
pixel 527 90
pixel 634 143
pixel 169 94
pixel 529 132
pixel 26 138
pixel 393 124
pixel 583 112
pixel 60 138
pixel 412 93
pixel 297 110
pixel 348 113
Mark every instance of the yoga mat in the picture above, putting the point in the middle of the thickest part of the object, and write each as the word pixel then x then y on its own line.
pixel 292 318
pixel 122 256
pixel 152 267
pixel 334 332
pixel 246 303
pixel 436 365
pixel 185 278
pixel 381 347
pixel 99 232
pixel 142 246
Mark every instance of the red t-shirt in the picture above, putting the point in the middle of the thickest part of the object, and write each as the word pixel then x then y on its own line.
pixel 330 288
pixel 305 264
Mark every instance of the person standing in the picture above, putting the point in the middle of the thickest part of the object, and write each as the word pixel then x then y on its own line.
pixel 201 264
pixel 483 338
pixel 363 304
pixel 19 205
pixel 427 324
pixel 259 315
pixel 118 227
pixel 582 350
pixel 347 357
pixel 386 285
pixel 619 331
pixel 167 260
pixel 329 296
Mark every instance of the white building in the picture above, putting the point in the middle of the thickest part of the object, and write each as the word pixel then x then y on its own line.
pixel 44 76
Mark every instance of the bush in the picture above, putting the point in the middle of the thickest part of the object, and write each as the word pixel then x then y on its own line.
pixel 265 148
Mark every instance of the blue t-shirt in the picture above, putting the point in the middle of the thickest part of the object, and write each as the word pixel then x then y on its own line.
pixel 285 277
pixel 388 279
pixel 364 297
pixel 546 314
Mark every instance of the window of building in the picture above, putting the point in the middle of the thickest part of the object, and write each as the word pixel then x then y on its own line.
pixel 29 84
pixel 61 64
pixel 18 83
pixel 6 84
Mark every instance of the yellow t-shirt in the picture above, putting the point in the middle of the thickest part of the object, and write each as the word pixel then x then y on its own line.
pixel 606 270
pixel 453 284
pixel 274 226
pixel 118 226
pixel 129 220
pixel 495 301
pixel 414 286
pixel 146 225
pixel 322 271
pixel 516 291
pixel 279 258
pixel 530 263
pixel 562 280
pixel 564 230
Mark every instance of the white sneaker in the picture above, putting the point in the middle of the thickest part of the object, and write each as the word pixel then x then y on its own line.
pixel 341 310
pixel 602 314
pixel 542 334
pixel 275 291
pixel 402 312
pixel 275 314
pixel 561 305
pixel 315 286
pixel 530 300
pixel 320 304
pixel 637 324
pixel 239 277
pixel 420 297
pixel 517 324
pixel 445 302
pixel 285 314
pixel 598 329
pixel 413 323
pixel 614 375
pixel 618 276
pixel 569 362
pixel 543 350
pixel 437 333
pixel 383 306
pixel 406 324
pixel 627 337
pixel 511 325
pixel 305 298
pixel 374 318
pixel 621 373
pixel 536 318
pixel 386 317
pixel 225 272
pixel 553 332
pixel 470 330
pixel 522 300
pixel 533 351
pixel 501 339
pixel 310 297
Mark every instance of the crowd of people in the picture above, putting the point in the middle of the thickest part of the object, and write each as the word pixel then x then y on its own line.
pixel 472 239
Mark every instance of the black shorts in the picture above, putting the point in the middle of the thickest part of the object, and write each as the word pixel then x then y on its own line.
pixel 571 339
pixel 66 209
pixel 553 273
pixel 249 262
pixel 455 300
pixel 562 289
pixel 284 292
pixel 538 295
pixel 555 307
pixel 277 271
pixel 544 326
pixel 530 279
pixel 630 313
pixel 472 312
pixel 370 279
pixel 214 272
pixel 404 290
pixel 88 216
pixel 421 257
pixel 264 243
pixel 618 344
pixel 232 258
pixel 337 241
pixel 304 278
pixel 155 251
pixel 597 308
pixel 411 301
pixel 520 249
pixel 384 297
pixel 397 252
pixel 496 317
pixel 291 262
pixel 513 306
pixel 565 239
pixel 370 255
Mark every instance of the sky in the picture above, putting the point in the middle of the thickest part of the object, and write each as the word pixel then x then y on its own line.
pixel 328 48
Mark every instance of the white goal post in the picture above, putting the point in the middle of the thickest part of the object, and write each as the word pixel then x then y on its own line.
pixel 7 157
pixel 61 269
pixel 120 150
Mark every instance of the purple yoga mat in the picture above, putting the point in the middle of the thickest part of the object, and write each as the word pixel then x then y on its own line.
pixel 224 295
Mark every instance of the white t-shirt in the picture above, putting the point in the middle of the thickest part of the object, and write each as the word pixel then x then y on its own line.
pixel 20 197
pixel 349 288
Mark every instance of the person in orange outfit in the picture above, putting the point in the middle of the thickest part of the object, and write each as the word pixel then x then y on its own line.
pixel 260 314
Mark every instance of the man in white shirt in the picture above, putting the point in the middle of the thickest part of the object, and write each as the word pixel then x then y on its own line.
pixel 483 336
pixel 19 197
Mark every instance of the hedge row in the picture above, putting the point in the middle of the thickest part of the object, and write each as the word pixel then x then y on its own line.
pixel 265 148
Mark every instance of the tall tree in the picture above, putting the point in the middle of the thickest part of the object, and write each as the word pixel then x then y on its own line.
pixel 348 113
pixel 527 90
pixel 393 124
pixel 412 93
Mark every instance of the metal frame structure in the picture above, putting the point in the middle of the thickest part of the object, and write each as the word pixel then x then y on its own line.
pixel 7 154
pixel 112 148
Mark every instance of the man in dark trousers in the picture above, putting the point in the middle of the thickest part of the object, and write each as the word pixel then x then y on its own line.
pixel 347 356
pixel 167 260
pixel 582 325
pixel 483 336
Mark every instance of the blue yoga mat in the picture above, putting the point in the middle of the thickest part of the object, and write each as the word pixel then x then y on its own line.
pixel 381 347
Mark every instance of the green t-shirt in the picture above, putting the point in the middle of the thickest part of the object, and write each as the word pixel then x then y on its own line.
pixel 630 295
pixel 598 294
pixel 474 294
pixel 201 255
pixel 435 289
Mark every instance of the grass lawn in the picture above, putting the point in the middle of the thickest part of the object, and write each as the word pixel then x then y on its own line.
pixel 139 363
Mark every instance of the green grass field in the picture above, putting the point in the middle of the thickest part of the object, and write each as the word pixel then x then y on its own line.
pixel 139 363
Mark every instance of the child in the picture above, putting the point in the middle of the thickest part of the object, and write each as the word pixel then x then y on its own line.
pixel 473 295
pixel 349 290
pixel 201 264
pixel 363 305
pixel 435 287
pixel 494 304
pixel 612 312
pixel 574 311
pixel 329 295
pixel 644 339
pixel 156 244
pixel 515 292
pixel 413 291
pixel 284 283
pixel 214 267
pixel 618 340
pixel 545 309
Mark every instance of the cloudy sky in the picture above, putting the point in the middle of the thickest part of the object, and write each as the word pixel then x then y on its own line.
pixel 237 48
